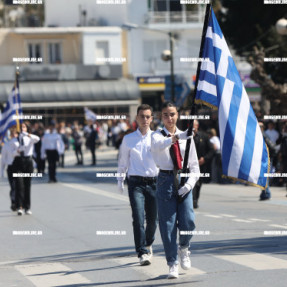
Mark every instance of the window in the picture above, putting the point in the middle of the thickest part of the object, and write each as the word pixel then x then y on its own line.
pixel 101 51
pixel 166 5
pixel 55 53
pixel 35 51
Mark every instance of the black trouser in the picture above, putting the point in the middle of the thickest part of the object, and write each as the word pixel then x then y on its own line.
pixel 79 154
pixel 12 183
pixel 93 152
pixel 23 184
pixel 52 157
pixel 62 160
pixel 196 190
pixel 40 164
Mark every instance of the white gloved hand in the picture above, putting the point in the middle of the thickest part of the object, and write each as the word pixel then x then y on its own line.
pixel 183 135
pixel 121 186
pixel 184 190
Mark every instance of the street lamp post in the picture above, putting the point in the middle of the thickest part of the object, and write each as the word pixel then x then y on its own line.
pixel 129 26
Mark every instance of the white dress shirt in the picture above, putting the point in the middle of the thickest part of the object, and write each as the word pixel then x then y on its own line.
pixel 273 135
pixel 160 146
pixel 135 156
pixel 28 143
pixel 52 141
pixel 215 141
pixel 7 154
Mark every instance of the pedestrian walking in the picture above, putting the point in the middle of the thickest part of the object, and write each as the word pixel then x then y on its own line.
pixel 23 150
pixel 52 147
pixel 168 149
pixel 135 160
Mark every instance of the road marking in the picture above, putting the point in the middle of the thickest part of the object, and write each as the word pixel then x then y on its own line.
pixel 242 220
pixel 97 191
pixel 256 261
pixel 51 274
pixel 260 220
pixel 278 226
pixel 228 215
pixel 213 216
pixel 157 268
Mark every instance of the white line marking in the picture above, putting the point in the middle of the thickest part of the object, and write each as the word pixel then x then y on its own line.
pixel 51 274
pixel 242 220
pixel 260 220
pixel 213 216
pixel 256 261
pixel 228 215
pixel 157 268
pixel 278 226
pixel 97 191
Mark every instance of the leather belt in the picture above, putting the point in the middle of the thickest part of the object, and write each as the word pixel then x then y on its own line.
pixel 144 179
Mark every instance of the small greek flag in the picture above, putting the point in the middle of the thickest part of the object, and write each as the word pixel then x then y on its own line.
pixel 244 153
pixel 90 115
pixel 12 112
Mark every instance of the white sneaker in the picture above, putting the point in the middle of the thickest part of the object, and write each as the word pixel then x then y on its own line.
pixel 20 211
pixel 184 258
pixel 173 272
pixel 149 249
pixel 145 259
pixel 28 211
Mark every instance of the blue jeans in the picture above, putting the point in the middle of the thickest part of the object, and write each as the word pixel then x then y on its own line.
pixel 143 203
pixel 173 215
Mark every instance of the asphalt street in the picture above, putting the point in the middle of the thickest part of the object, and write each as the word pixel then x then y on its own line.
pixel 81 235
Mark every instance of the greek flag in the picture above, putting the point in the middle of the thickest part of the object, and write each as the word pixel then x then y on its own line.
pixel 12 112
pixel 244 153
pixel 90 115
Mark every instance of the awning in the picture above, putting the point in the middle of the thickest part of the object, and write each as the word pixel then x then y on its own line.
pixel 74 91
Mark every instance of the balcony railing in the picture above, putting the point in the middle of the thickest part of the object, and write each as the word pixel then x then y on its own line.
pixel 168 17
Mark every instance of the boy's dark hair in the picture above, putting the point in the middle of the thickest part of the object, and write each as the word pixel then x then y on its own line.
pixel 168 104
pixel 144 107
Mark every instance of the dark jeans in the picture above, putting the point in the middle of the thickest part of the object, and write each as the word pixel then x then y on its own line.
pixel 143 203
pixel 79 154
pixel 52 157
pixel 23 184
pixel 93 152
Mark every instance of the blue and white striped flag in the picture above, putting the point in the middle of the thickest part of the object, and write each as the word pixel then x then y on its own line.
pixel 244 153
pixel 90 115
pixel 12 112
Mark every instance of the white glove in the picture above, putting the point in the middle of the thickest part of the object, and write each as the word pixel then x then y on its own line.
pixel 121 186
pixel 183 135
pixel 184 190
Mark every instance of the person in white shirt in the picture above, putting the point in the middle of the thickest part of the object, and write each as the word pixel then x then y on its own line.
pixel 52 147
pixel 168 149
pixel 272 133
pixel 135 160
pixel 23 150
pixel 7 160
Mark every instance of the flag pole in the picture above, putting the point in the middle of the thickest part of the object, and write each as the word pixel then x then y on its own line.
pixel 189 132
pixel 16 89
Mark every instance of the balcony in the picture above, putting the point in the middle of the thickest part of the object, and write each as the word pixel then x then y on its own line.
pixel 180 19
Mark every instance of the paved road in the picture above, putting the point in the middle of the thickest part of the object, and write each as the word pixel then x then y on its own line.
pixel 69 250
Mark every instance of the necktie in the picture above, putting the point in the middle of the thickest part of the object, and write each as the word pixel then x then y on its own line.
pixel 175 155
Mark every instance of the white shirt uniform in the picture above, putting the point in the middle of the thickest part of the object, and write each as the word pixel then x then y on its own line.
pixel 160 146
pixel 273 135
pixel 215 141
pixel 135 156
pixel 28 143
pixel 52 141
pixel 8 154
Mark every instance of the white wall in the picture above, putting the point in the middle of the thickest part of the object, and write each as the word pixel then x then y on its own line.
pixel 65 13
pixel 89 46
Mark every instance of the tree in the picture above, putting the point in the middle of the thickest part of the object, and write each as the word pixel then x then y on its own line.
pixel 247 24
